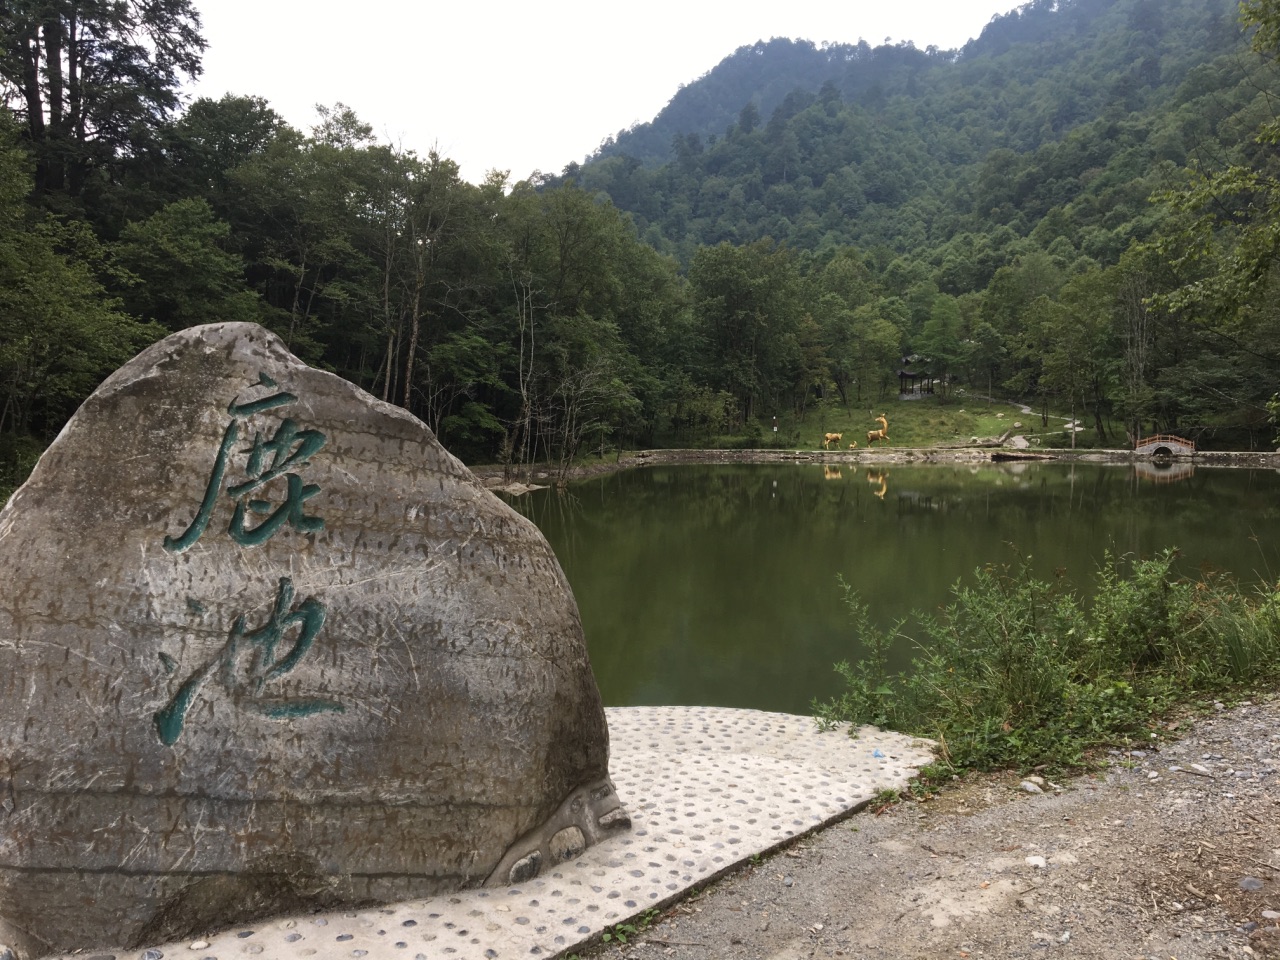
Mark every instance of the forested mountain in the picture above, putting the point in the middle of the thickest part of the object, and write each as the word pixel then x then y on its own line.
pixel 1080 207
pixel 1032 73
pixel 1057 103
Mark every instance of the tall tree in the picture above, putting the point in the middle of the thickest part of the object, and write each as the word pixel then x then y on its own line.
pixel 214 137
pixel 939 340
pixel 91 80
pixel 301 199
pixel 746 302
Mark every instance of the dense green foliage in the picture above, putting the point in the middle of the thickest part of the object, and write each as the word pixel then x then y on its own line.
pixel 792 226
pixel 93 82
pixel 60 330
pixel 1019 672
pixel 1078 108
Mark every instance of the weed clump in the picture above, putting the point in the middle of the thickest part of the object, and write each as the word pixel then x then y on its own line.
pixel 1019 672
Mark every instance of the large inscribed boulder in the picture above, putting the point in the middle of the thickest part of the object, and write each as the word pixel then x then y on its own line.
pixel 264 644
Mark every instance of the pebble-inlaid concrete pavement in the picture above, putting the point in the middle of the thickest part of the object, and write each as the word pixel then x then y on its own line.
pixel 707 788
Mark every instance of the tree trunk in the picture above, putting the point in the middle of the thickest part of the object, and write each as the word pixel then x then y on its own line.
pixel 393 337
pixel 30 44
pixel 413 345
pixel 296 306
pixel 53 72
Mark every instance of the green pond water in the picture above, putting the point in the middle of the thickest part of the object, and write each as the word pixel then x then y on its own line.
pixel 717 585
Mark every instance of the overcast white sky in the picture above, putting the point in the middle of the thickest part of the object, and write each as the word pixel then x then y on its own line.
pixel 494 84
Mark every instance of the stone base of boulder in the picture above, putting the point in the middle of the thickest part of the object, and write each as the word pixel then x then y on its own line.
pixel 589 815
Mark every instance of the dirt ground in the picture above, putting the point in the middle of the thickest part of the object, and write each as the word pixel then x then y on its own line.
pixel 1172 853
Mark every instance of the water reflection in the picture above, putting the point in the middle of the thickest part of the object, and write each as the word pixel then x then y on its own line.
pixel 717 585
pixel 880 477
pixel 1164 471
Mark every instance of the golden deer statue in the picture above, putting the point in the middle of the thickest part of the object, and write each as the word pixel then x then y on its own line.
pixel 829 439
pixel 881 434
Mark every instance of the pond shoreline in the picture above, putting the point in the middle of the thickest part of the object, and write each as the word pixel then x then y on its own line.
pixel 494 476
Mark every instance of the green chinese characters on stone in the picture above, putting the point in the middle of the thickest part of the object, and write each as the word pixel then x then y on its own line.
pixel 249 662
pixel 269 459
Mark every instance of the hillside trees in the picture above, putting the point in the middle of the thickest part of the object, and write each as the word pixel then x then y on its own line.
pixel 747 309
pixel 92 80
pixel 60 333
pixel 1223 246
pixel 988 213
pixel 1056 107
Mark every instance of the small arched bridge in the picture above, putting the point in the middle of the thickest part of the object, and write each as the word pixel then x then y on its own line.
pixel 1164 445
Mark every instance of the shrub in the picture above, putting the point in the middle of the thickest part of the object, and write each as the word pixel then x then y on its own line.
pixel 1020 672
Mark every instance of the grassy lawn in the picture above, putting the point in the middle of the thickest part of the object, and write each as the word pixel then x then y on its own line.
pixel 920 422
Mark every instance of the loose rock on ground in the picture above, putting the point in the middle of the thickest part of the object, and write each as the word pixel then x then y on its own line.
pixel 1172 852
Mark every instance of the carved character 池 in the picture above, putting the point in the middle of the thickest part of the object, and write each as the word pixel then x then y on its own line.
pixel 249 661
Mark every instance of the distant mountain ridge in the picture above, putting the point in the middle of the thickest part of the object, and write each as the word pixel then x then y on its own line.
pixel 763 73
pixel 1073 105
pixel 766 72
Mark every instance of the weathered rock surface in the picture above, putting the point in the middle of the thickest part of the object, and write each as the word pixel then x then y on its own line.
pixel 264 644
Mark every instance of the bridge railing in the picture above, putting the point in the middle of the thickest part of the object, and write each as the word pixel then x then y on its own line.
pixel 1165 438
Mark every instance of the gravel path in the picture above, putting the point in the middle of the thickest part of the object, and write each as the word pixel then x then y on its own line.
pixel 1172 853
